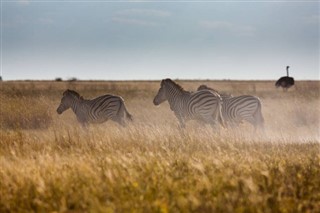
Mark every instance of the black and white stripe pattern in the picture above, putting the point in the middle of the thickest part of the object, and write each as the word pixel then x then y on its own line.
pixel 201 105
pixel 244 107
pixel 240 108
pixel 97 110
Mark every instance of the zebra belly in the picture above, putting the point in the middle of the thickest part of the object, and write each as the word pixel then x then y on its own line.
pixel 99 120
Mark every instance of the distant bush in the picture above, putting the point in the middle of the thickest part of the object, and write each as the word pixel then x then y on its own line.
pixel 72 79
pixel 58 79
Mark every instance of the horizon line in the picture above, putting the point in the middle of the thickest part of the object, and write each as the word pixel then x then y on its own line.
pixel 126 80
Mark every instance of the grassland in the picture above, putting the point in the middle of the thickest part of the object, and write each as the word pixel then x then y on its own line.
pixel 48 163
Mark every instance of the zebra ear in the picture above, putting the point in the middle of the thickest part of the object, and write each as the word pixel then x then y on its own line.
pixel 164 81
pixel 168 80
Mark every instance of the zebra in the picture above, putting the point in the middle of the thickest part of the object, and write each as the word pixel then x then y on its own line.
pixel 202 105
pixel 97 110
pixel 240 108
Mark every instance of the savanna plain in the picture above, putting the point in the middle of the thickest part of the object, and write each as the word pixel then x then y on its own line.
pixel 49 163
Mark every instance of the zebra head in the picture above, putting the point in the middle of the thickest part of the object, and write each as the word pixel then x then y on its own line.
pixel 161 95
pixel 204 87
pixel 67 100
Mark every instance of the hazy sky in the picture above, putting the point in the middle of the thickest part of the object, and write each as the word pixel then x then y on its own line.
pixel 154 40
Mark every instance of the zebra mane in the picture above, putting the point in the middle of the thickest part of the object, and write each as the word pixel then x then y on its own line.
pixel 73 93
pixel 205 87
pixel 171 82
pixel 222 95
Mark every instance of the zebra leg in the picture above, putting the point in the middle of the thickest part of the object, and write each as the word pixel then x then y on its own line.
pixel 214 119
pixel 122 123
pixel 119 115
pixel 259 125
pixel 256 123
pixel 251 120
pixel 209 120
pixel 258 119
pixel 233 124
pixel 85 125
pixel 119 120
pixel 122 115
pixel 83 122
pixel 182 124
pixel 214 125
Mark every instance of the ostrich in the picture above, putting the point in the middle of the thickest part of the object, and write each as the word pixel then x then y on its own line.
pixel 285 82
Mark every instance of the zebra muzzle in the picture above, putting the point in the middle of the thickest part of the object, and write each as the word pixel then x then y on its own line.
pixel 59 110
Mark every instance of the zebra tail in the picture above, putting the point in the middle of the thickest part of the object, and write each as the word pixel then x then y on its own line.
pixel 259 116
pixel 123 113
pixel 127 114
pixel 218 114
pixel 220 117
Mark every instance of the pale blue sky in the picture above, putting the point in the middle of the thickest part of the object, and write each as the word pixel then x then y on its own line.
pixel 154 40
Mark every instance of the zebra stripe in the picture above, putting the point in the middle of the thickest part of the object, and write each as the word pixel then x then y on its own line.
pixel 97 110
pixel 201 105
pixel 245 107
pixel 240 108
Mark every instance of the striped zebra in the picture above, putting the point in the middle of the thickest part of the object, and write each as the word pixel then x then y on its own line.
pixel 202 105
pixel 240 108
pixel 97 110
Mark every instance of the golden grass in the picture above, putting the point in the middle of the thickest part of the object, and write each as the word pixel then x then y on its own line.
pixel 48 163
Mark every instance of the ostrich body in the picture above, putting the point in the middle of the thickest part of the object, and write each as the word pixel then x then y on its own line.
pixel 285 82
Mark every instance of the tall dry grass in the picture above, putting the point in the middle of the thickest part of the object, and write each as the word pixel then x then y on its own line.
pixel 48 163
